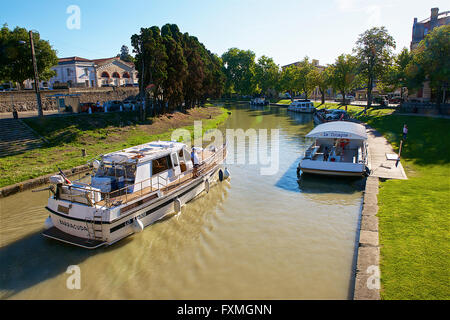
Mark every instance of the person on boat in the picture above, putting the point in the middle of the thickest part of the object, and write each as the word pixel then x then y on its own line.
pixel 326 154
pixel 195 161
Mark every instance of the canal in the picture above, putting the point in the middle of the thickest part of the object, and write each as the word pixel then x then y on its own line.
pixel 253 237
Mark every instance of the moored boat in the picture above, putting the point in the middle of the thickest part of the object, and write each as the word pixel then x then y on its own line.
pixel 129 190
pixel 304 106
pixel 339 149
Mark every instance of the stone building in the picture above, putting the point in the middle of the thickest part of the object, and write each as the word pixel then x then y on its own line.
pixel 76 72
pixel 116 72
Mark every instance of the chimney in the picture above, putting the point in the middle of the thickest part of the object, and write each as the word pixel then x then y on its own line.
pixel 434 13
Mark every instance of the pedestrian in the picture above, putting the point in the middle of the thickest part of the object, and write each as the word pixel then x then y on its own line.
pixel 405 131
pixel 195 161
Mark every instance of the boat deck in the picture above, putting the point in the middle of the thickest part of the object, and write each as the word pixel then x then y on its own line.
pixel 130 197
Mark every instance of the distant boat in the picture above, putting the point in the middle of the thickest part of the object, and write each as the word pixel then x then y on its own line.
pixel 339 149
pixel 129 190
pixel 259 102
pixel 304 106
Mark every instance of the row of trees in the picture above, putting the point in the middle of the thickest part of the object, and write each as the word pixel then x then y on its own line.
pixel 371 64
pixel 175 68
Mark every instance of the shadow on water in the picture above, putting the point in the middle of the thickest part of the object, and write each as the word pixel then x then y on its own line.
pixel 34 259
pixel 309 183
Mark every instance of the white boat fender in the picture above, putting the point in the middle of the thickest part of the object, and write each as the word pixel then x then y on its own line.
pixel 177 205
pixel 207 185
pixel 138 226
pixel 48 223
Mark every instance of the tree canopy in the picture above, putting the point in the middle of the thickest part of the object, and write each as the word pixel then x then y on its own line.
pixel 15 56
pixel 176 66
pixel 374 52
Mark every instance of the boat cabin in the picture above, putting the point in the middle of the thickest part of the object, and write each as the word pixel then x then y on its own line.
pixel 135 166
pixel 339 147
pixel 301 106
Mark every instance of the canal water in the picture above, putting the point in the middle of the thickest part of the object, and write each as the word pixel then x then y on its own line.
pixel 253 237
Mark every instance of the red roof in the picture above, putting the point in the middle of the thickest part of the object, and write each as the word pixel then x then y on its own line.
pixel 74 59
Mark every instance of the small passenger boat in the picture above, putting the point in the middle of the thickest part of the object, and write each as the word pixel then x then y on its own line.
pixel 259 102
pixel 304 106
pixel 129 190
pixel 339 149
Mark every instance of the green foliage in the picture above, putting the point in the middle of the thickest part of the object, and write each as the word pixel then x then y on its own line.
pixel 431 61
pixel 374 52
pixel 177 66
pixel 267 75
pixel 125 55
pixel 15 57
pixel 240 71
pixel 343 74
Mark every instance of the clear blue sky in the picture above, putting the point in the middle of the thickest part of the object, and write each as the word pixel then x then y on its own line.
pixel 286 30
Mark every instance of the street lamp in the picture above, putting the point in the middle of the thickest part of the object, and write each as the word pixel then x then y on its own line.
pixel 36 77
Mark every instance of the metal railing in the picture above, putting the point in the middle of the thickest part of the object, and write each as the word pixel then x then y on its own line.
pixel 147 186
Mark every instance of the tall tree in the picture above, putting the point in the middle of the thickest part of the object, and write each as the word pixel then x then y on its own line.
pixel 151 61
pixel 177 67
pixel 267 74
pixel 302 81
pixel 125 54
pixel 431 62
pixel 15 56
pixel 374 53
pixel 396 76
pixel 320 79
pixel 343 75
pixel 239 68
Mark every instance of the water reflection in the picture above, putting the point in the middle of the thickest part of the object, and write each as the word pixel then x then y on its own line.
pixel 254 237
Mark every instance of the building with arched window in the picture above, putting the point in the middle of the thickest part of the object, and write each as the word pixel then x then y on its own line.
pixel 120 73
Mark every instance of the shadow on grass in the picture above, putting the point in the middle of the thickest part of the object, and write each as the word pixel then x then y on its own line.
pixel 59 130
pixel 428 139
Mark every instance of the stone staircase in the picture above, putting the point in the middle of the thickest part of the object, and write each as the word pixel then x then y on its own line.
pixel 16 137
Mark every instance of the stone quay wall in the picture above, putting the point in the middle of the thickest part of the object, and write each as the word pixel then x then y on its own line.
pixel 25 100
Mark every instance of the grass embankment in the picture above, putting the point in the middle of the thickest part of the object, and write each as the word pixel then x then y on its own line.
pixel 98 133
pixel 414 214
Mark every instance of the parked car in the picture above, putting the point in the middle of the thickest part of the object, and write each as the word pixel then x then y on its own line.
pixel 336 114
pixel 84 107
pixel 382 101
pixel 396 100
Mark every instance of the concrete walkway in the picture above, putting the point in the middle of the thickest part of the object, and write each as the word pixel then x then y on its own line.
pixel 367 277
pixel 379 164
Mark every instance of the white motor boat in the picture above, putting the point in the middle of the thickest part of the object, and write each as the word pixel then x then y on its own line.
pixel 259 102
pixel 304 106
pixel 340 149
pixel 129 190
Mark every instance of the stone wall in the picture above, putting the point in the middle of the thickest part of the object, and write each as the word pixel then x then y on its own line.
pixel 26 100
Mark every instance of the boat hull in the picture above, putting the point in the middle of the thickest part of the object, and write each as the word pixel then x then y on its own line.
pixel 78 231
pixel 331 168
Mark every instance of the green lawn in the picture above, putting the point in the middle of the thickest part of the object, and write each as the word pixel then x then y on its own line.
pixel 98 134
pixel 414 213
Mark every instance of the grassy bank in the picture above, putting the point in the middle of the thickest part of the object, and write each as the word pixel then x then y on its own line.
pixel 413 214
pixel 98 134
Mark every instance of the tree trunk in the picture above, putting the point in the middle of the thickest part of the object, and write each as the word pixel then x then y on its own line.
pixel 369 93
pixel 323 96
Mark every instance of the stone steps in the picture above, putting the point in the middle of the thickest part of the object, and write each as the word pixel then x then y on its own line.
pixel 16 137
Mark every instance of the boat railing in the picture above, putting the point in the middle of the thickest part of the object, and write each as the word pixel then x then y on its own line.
pixel 88 195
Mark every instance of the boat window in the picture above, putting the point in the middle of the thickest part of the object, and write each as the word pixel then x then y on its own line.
pixel 161 165
pixel 175 159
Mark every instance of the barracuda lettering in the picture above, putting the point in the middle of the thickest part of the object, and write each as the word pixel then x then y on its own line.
pixel 73 226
